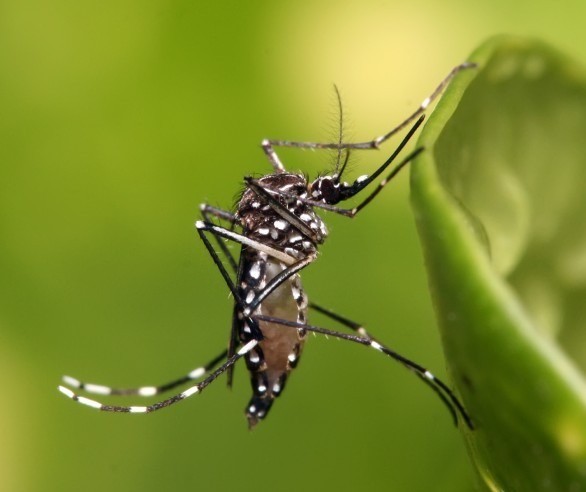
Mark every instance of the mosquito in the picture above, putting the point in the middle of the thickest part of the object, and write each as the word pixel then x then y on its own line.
pixel 278 230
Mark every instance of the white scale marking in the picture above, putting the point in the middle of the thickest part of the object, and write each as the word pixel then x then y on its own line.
pixel 262 388
pixel 197 373
pixel 425 102
pixel 292 357
pixel 292 252
pixel 254 358
pixel 90 403
pixel 98 389
pixel 429 375
pixel 71 381
pixel 147 391
pixel 248 347
pixel 275 253
pixel 295 239
pixel 305 217
pixel 255 270
pixel 139 409
pixel 281 224
pixel 249 297
pixel 274 234
pixel 362 178
pixel 276 388
pixel 190 391
pixel 376 345
pixel 67 392
pixel 263 231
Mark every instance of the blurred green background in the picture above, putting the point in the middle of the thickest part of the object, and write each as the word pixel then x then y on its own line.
pixel 117 120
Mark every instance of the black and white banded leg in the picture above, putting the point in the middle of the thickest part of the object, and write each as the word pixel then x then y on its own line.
pixel 447 395
pixel 208 211
pixel 358 328
pixel 203 227
pixel 375 143
pixel 193 390
pixel 99 389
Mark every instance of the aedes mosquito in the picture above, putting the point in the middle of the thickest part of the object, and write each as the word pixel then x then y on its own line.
pixel 279 236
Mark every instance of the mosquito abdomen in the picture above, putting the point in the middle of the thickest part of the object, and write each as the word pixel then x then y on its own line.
pixel 277 354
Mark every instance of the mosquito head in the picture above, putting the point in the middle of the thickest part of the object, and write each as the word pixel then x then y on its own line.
pixel 328 189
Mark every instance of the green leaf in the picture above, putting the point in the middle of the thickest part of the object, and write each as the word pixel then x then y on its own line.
pixel 500 203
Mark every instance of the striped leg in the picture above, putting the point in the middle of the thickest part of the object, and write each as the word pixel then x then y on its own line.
pixel 446 394
pixel 198 388
pixel 207 211
pixel 358 328
pixel 203 227
pixel 98 389
pixel 375 143
pixel 348 323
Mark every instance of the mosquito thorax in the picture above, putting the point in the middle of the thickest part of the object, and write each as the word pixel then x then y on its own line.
pixel 263 223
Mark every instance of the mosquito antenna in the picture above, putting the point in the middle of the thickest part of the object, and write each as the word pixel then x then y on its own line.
pixel 340 132
pixel 341 171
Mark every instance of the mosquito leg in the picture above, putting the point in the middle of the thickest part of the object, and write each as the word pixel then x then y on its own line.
pixel 198 388
pixel 98 389
pixel 370 144
pixel 358 328
pixel 217 260
pixel 447 395
pixel 348 323
pixel 208 211
pixel 202 227
pixel 267 147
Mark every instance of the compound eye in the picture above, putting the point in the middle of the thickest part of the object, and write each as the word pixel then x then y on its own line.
pixel 329 191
